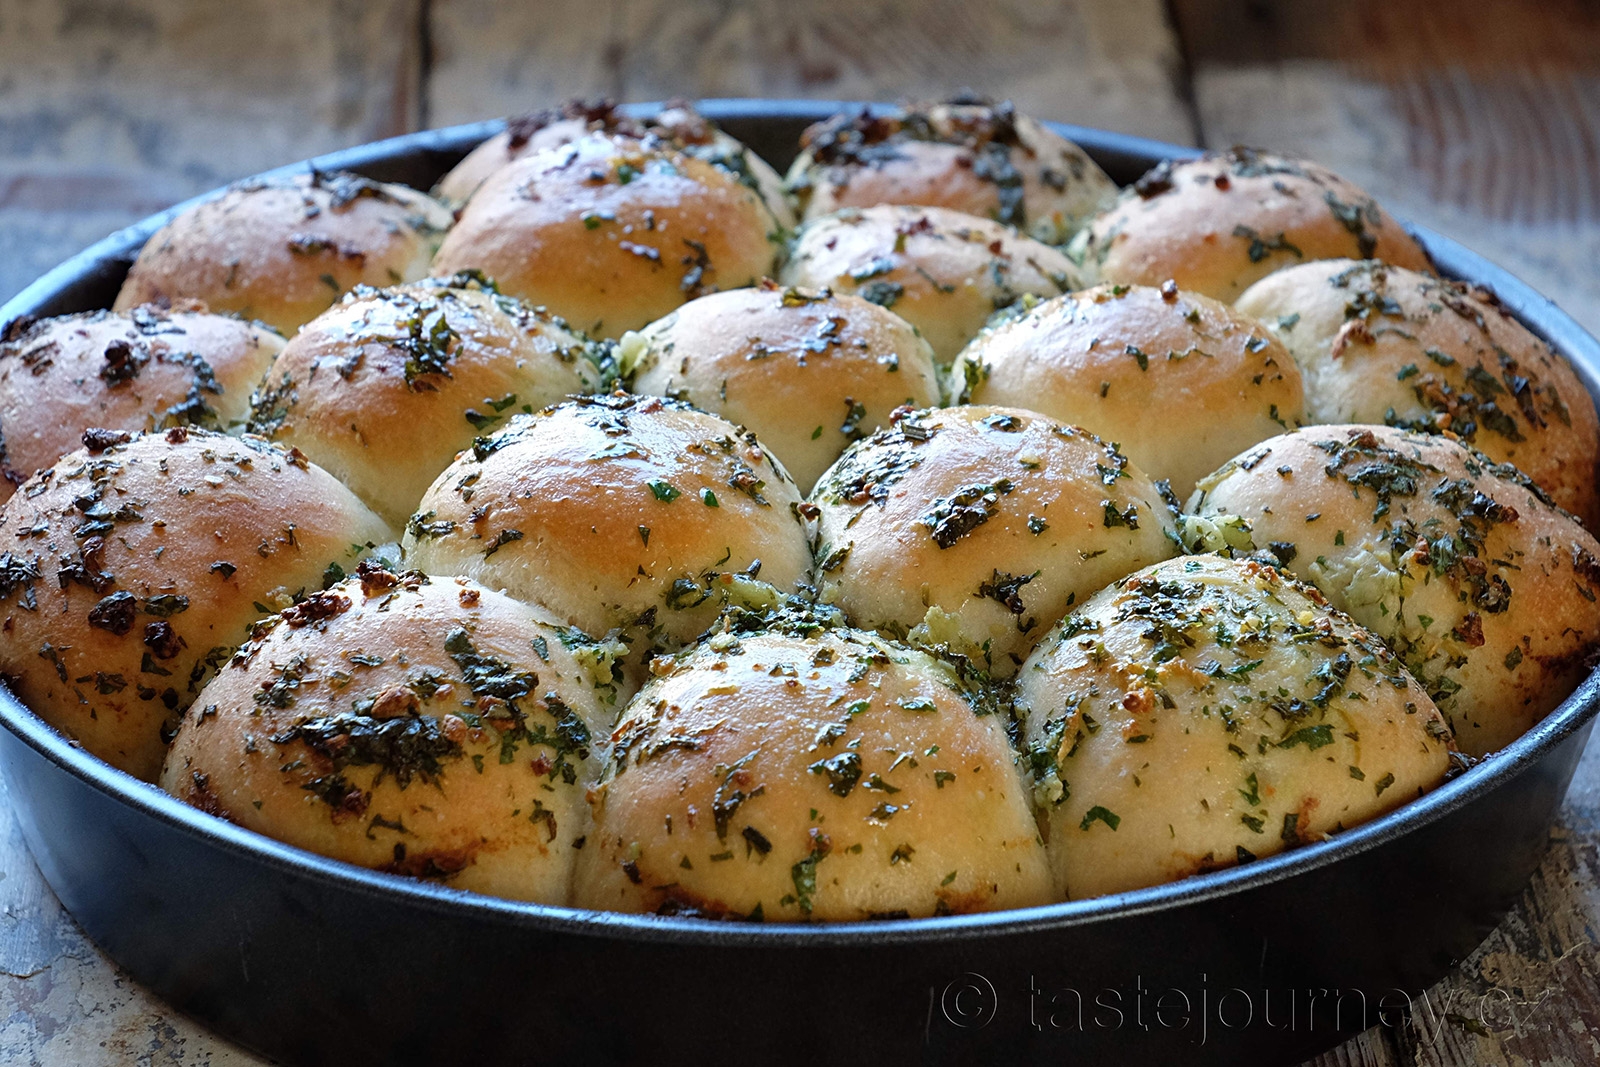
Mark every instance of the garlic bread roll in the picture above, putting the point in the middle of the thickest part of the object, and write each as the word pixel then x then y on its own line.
pixel 133 568
pixel 430 728
pixel 940 270
pixel 617 512
pixel 807 370
pixel 144 369
pixel 1110 357
pixel 678 123
pixel 1484 588
pixel 974 156
pixel 973 529
pixel 810 776
pixel 526 134
pixel 1205 712
pixel 1218 223
pixel 386 387
pixel 282 250
pixel 1381 344
pixel 611 232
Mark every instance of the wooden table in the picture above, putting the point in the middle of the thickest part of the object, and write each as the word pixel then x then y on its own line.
pixel 1480 119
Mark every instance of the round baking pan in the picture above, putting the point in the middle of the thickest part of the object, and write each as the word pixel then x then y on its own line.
pixel 311 961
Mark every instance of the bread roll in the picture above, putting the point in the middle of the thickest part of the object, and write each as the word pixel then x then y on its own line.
pixel 283 250
pixel 146 369
pixel 973 529
pixel 969 155
pixel 1484 588
pixel 940 270
pixel 1110 357
pixel 1205 712
pixel 1381 344
pixel 807 370
pixel 612 232
pixel 617 512
pixel 428 728
pixel 526 134
pixel 1218 223
pixel 133 568
pixel 678 123
pixel 827 777
pixel 386 387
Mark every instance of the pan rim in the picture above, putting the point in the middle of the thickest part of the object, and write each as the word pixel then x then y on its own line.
pixel 1535 311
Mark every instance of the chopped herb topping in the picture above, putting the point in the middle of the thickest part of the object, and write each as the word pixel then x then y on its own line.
pixel 1099 814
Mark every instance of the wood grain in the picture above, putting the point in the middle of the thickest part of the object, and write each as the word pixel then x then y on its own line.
pixel 112 109
pixel 1480 118
pixel 1099 64
pixel 1481 121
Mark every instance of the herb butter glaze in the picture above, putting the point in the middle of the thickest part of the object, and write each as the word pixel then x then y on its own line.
pixel 283 248
pixel 184 882
pixel 611 232
pixel 1381 344
pixel 135 565
pixel 426 727
pixel 1486 590
pixel 1216 224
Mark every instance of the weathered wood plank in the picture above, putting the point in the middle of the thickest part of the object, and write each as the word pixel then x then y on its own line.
pixel 111 110
pixel 490 59
pixel 1089 63
pixel 1483 124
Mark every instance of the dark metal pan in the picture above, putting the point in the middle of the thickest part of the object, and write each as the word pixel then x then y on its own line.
pixel 315 962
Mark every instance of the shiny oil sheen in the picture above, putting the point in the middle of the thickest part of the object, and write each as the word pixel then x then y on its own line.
pixel 313 962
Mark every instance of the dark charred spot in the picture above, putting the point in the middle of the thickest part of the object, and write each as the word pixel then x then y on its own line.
pixel 200 795
pixel 315 608
pixel 18 328
pixel 679 902
pixel 1470 630
pixel 437 865
pixel 162 640
pixel 375 578
pixel 1156 180
pixel 602 112
pixel 115 613
pixel 1586 566
pixel 97 440
pixel 122 363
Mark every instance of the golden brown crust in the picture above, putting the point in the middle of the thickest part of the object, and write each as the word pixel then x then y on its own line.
pixel 386 387
pixel 1381 344
pixel 973 529
pixel 808 370
pixel 612 233
pixel 1202 713
pixel 678 124
pixel 828 777
pixel 283 250
pixel 940 270
pixel 980 158
pixel 1110 357
pixel 1218 223
pixel 146 369
pixel 423 727
pixel 622 511
pixel 1486 590
pixel 131 569
pixel 530 133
